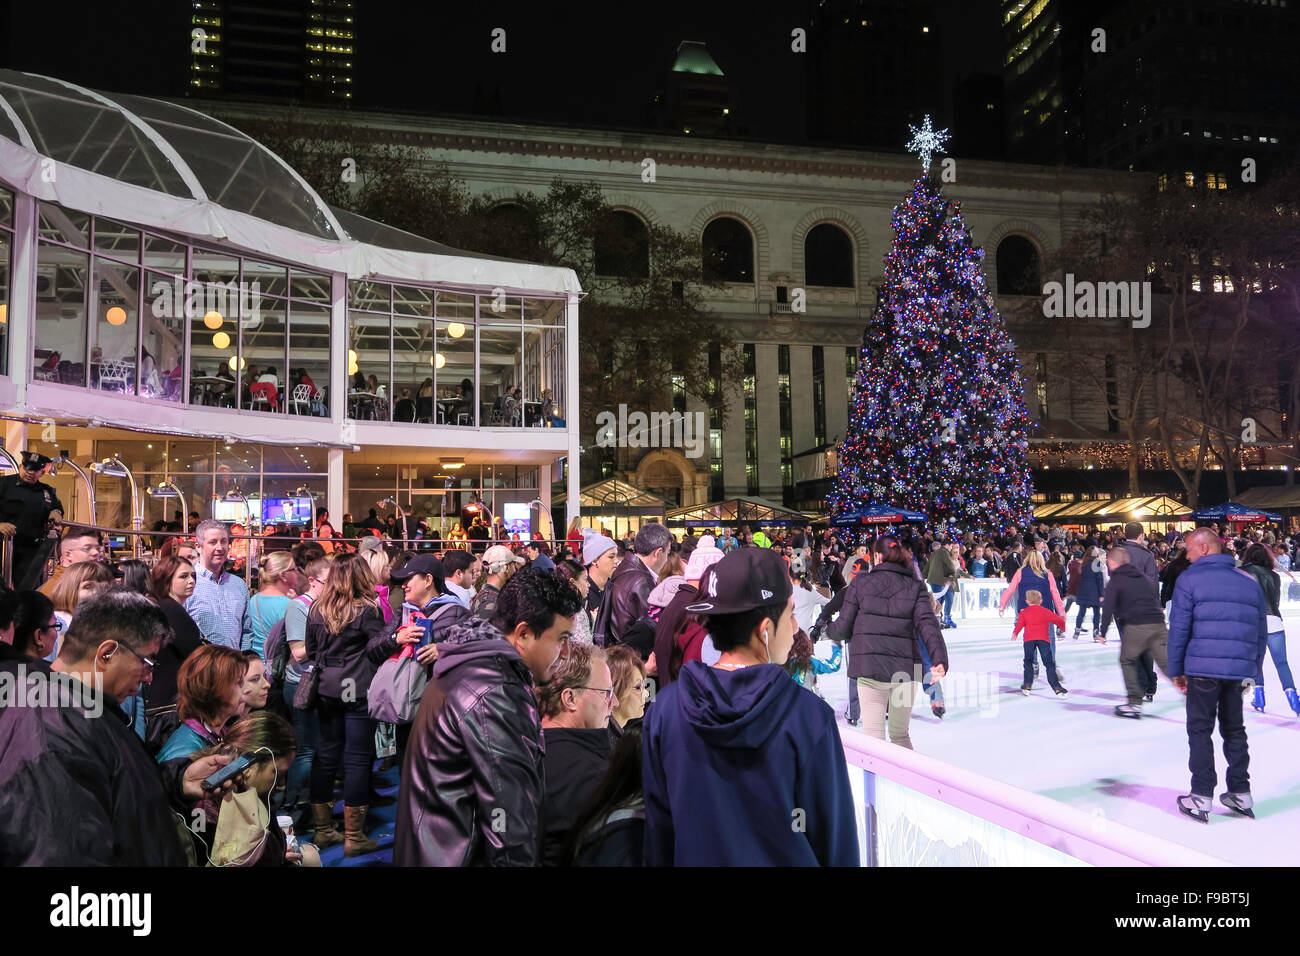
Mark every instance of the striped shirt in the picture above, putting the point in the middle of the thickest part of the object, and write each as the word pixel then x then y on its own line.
pixel 219 607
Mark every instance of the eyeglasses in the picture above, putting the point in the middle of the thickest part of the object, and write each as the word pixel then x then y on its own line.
pixel 91 548
pixel 606 692
pixel 56 626
pixel 144 660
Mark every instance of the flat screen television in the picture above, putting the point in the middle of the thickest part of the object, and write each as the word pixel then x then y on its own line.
pixel 517 518
pixel 291 511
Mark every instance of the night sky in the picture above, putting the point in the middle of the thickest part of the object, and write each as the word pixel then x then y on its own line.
pixel 580 62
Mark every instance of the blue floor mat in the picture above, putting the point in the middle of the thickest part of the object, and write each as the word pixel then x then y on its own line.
pixel 380 823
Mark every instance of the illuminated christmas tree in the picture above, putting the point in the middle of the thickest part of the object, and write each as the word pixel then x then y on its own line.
pixel 938 422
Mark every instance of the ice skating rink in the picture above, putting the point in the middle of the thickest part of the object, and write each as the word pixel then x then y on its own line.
pixel 1076 751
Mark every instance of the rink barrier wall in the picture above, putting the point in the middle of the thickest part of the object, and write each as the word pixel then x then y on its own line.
pixel 1083 838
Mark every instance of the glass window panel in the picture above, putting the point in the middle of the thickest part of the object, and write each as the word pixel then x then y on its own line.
pixel 163 254
pixel 413 358
pixel 543 311
pixel 117 240
pixel 6 207
pixel 307 392
pixel 368 296
pixel 543 386
pixel 265 278
pixel 163 342
pixel 263 351
pixel 297 487
pixel 197 489
pixel 500 358
pixel 64 225
pixel 503 310
pixel 411 301
pixel 238 460
pixel 371 475
pixel 215 267
pixel 5 252
pixel 453 372
pixel 189 456
pixel 294 459
pixel 311 286
pixel 368 357
pixel 115 327
pixel 59 343
pixel 142 457
pixel 213 335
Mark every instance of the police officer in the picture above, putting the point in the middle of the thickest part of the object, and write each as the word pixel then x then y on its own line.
pixel 27 506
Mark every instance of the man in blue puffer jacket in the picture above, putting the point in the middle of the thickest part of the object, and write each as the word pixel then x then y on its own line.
pixel 1217 637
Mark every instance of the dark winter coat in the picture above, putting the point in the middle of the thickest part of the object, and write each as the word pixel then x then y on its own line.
pixel 472 777
pixel 679 635
pixel 1271 585
pixel 575 762
pixel 626 600
pixel 1092 582
pixel 79 790
pixel 1130 600
pixel 353 654
pixel 1169 577
pixel 1217 622
pixel 730 758
pixel 1073 571
pixel 883 613
pixel 1142 559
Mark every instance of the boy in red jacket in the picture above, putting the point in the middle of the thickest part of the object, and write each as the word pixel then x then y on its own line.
pixel 1035 621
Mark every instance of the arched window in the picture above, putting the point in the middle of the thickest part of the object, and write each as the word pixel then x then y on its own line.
pixel 1018 267
pixel 728 251
pixel 828 257
pixel 622 246
pixel 512 232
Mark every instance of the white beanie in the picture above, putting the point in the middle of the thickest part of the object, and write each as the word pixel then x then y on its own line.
pixel 705 555
pixel 594 545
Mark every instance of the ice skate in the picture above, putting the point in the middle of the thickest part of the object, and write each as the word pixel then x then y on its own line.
pixel 1258 702
pixel 1077 632
pixel 1062 693
pixel 1132 711
pixel 938 709
pixel 1025 691
pixel 1196 807
pixel 1148 697
pixel 1293 700
pixel 1238 802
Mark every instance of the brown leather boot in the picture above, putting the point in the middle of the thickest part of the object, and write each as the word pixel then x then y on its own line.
pixel 354 829
pixel 327 831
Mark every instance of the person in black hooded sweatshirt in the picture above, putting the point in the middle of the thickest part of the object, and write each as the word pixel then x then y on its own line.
pixel 741 765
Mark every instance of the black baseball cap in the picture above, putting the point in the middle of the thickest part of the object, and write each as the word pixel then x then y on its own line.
pixel 743 580
pixel 34 461
pixel 420 564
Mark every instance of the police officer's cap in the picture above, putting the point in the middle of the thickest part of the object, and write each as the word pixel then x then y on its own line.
pixel 35 461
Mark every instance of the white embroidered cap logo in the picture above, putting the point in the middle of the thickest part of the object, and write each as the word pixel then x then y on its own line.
pixel 713 586
pixel 766 593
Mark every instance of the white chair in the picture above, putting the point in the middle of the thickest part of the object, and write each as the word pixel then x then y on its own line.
pixel 301 398
pixel 113 376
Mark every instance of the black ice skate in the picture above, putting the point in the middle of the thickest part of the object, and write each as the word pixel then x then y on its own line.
pixel 1238 802
pixel 1196 807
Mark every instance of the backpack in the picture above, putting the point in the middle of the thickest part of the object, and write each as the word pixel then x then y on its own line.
pixel 398 685
pixel 276 653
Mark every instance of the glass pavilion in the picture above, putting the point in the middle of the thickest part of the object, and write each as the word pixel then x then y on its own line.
pixel 174 295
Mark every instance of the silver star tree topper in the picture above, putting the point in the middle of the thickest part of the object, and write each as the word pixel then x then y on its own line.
pixel 926 141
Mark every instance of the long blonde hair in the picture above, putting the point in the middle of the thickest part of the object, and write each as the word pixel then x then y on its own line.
pixel 1035 561
pixel 349 588
pixel 274 566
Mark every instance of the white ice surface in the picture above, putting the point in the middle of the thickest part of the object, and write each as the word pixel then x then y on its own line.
pixel 1076 751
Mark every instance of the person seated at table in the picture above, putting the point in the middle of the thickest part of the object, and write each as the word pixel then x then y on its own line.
pixel 268 375
pixel 359 381
pixel 372 385
pixel 150 380
pixel 465 402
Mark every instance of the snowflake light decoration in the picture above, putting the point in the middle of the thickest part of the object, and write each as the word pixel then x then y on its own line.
pixel 926 141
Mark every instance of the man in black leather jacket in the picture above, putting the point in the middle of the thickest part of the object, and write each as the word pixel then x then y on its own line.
pixel 627 597
pixel 77 787
pixel 472 778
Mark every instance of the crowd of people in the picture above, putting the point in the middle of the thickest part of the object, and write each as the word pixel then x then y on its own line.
pixel 652 700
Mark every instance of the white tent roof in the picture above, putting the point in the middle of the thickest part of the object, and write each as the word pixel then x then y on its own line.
pixel 168 167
